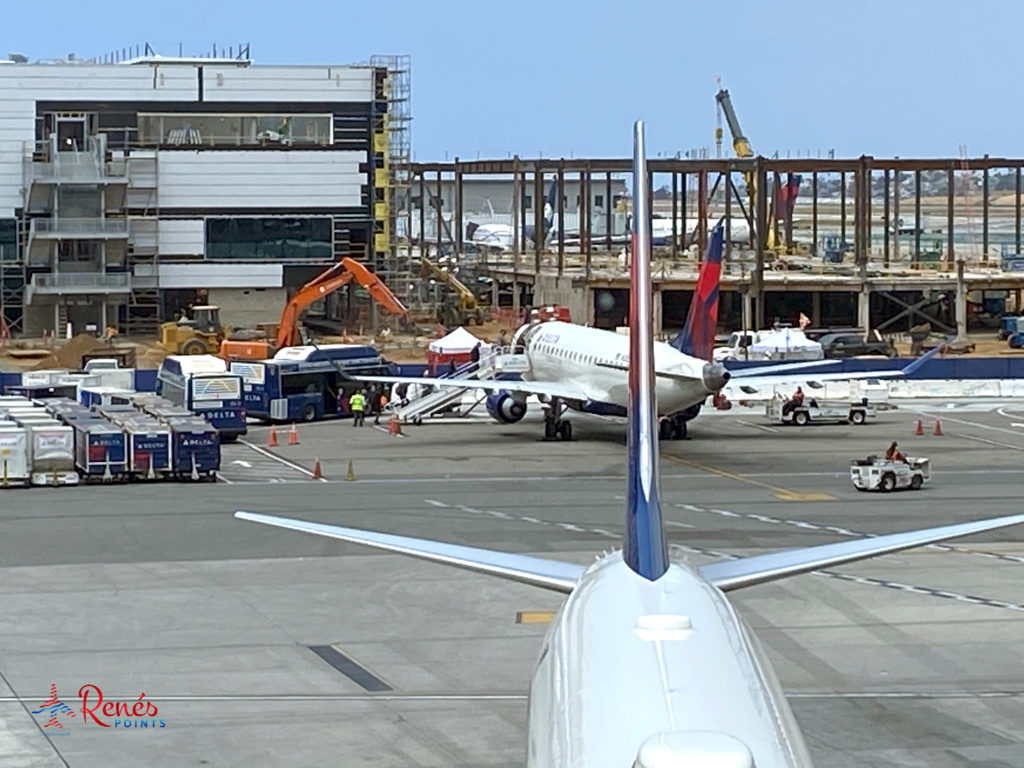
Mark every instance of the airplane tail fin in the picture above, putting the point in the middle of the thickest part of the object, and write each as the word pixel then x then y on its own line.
pixel 645 549
pixel 697 338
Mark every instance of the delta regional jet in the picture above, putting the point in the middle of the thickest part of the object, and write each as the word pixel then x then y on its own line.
pixel 647 664
pixel 574 367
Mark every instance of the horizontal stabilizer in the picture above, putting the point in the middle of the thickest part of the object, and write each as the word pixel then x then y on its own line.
pixel 759 569
pixel 537 571
pixel 768 370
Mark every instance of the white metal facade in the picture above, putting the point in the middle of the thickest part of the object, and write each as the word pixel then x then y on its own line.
pixel 167 187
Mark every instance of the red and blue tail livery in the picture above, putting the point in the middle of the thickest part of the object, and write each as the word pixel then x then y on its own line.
pixel 697 338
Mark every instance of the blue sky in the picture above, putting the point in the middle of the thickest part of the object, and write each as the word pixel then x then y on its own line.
pixel 567 78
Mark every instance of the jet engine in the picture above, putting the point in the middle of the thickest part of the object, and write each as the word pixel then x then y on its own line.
pixel 504 407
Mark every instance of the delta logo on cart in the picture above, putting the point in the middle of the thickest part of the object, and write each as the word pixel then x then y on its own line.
pixel 92 709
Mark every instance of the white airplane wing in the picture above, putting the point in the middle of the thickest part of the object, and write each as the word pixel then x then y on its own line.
pixel 749 379
pixel 748 571
pixel 563 389
pixel 537 571
pixel 562 577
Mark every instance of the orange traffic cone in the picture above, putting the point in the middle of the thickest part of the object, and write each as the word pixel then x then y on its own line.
pixel 272 443
pixel 938 428
pixel 395 426
pixel 293 436
pixel 317 474
pixel 919 429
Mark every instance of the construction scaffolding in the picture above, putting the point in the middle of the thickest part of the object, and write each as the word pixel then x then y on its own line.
pixel 392 203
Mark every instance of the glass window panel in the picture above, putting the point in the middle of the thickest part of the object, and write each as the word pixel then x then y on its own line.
pixel 269 239
pixel 235 130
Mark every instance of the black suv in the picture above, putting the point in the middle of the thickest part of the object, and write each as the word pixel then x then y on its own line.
pixel 854 344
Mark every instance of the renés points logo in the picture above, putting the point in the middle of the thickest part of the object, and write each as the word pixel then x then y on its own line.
pixel 107 714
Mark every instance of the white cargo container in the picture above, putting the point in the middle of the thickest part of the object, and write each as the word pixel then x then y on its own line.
pixel 14 464
pixel 51 452
pixel 42 378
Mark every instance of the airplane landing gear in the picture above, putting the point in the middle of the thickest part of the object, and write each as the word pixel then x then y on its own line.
pixel 555 427
pixel 673 428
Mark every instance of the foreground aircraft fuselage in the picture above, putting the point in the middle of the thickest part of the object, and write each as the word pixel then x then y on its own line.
pixel 666 664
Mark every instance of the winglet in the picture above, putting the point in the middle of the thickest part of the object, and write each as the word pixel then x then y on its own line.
pixel 645 549
pixel 697 338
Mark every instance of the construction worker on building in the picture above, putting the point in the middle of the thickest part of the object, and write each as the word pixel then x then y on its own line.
pixel 357 404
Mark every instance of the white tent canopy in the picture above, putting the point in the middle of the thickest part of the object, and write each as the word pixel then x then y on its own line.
pixel 786 344
pixel 459 341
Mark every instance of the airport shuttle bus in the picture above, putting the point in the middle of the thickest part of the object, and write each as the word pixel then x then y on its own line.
pixel 203 385
pixel 302 383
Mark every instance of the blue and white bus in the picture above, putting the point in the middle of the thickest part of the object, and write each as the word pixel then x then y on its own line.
pixel 203 385
pixel 302 383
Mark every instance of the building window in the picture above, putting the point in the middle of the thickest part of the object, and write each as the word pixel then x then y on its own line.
pixel 599 201
pixel 527 202
pixel 268 239
pixel 226 130
pixel 8 239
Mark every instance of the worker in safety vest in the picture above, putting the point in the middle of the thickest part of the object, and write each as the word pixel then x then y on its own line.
pixel 357 403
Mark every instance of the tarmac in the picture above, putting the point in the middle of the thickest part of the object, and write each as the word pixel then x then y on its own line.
pixel 263 647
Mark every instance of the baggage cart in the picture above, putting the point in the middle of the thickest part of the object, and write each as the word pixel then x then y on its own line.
pixel 100 449
pixel 14 462
pixel 195 448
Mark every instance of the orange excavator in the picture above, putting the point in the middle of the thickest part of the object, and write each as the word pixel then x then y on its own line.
pixel 288 334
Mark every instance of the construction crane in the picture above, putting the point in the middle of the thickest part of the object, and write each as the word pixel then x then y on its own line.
pixel 465 308
pixel 783 196
pixel 740 144
pixel 289 329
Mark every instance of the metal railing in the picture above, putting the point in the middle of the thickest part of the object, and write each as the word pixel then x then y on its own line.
pixel 82 281
pixel 86 162
pixel 79 227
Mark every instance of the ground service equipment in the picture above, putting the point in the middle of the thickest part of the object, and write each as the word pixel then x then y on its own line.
pixel 875 474
pixel 819 412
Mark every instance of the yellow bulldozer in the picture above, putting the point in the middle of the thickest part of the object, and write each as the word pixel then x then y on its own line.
pixel 200 334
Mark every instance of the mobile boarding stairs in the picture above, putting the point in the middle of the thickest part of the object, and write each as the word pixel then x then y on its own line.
pixel 452 401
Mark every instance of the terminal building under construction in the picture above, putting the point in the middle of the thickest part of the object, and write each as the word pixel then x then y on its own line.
pixel 136 184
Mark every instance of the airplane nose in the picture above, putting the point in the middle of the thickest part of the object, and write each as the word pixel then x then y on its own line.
pixel 715 376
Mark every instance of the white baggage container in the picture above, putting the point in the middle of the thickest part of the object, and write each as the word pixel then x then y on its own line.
pixel 52 453
pixel 14 465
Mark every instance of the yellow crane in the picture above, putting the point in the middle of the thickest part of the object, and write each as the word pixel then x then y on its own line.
pixel 741 146
pixel 464 309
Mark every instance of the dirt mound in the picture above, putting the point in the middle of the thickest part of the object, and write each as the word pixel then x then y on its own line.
pixel 70 354
pixel 45 364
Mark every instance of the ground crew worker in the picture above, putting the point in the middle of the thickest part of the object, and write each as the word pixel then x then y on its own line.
pixel 357 402
pixel 376 400
pixel 342 402
pixel 893 453
pixel 794 402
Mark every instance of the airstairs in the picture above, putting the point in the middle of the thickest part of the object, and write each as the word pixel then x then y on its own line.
pixel 452 401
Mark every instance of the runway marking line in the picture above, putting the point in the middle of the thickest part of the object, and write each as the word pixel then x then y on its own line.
pixel 281 460
pixel 534 617
pixel 780 493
